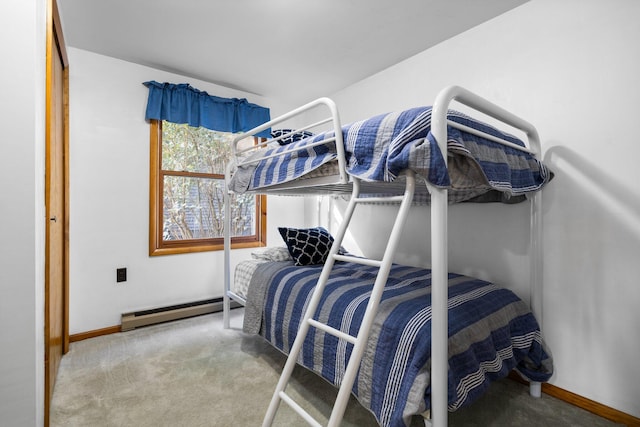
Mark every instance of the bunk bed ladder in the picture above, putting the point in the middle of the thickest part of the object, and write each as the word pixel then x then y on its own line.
pixel 359 342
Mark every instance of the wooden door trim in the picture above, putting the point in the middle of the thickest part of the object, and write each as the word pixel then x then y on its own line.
pixel 55 47
pixel 54 35
pixel 65 102
pixel 58 37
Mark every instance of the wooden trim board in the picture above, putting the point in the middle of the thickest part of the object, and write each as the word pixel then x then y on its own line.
pixel 582 402
pixel 95 333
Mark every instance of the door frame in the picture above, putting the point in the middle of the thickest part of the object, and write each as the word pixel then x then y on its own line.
pixel 54 35
pixel 55 45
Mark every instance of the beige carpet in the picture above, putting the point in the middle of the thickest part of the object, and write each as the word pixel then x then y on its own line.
pixel 194 373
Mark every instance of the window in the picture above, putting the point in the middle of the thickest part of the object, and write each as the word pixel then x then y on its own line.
pixel 186 211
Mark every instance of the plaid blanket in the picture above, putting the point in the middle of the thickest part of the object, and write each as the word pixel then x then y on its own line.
pixel 379 148
pixel 491 332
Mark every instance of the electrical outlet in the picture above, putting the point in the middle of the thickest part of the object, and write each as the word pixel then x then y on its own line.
pixel 121 275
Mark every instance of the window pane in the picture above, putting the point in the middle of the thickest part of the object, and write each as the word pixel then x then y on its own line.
pixel 243 213
pixel 194 209
pixel 185 148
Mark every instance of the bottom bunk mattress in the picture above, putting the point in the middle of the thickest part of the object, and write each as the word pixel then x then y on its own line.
pixel 491 332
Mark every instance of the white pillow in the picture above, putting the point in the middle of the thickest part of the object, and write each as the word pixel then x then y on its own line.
pixel 279 253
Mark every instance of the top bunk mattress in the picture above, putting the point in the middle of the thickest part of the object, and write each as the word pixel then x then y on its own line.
pixel 380 148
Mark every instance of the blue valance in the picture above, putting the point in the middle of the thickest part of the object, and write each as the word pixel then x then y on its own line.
pixel 181 103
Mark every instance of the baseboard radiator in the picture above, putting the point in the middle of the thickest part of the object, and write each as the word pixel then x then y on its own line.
pixel 141 318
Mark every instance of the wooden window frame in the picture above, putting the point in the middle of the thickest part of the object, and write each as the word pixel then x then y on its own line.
pixel 156 178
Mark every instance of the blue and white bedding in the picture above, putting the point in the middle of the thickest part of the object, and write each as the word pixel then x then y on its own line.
pixel 379 148
pixel 491 332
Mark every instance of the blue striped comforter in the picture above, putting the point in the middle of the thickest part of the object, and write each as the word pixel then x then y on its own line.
pixel 379 148
pixel 491 332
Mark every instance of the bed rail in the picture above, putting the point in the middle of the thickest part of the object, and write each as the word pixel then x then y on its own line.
pixel 339 182
pixel 332 120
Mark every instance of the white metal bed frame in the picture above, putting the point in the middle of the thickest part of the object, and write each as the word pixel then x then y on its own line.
pixel 439 250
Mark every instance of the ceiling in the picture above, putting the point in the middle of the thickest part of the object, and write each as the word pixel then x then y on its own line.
pixel 293 50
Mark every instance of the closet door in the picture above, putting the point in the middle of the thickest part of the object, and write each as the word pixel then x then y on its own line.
pixel 56 295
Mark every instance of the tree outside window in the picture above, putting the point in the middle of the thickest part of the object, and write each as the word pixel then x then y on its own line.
pixel 187 193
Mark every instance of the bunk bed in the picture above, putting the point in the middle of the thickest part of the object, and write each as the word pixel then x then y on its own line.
pixel 391 158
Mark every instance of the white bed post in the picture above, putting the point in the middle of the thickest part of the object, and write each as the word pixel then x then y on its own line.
pixel 439 314
pixel 439 271
pixel 535 257
pixel 226 302
pixel 536 270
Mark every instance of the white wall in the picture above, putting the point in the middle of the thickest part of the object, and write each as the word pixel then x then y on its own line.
pixel 22 27
pixel 572 69
pixel 109 194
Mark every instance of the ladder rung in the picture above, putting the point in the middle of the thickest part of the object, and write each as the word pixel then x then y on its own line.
pixel 299 410
pixel 357 260
pixel 382 199
pixel 333 331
